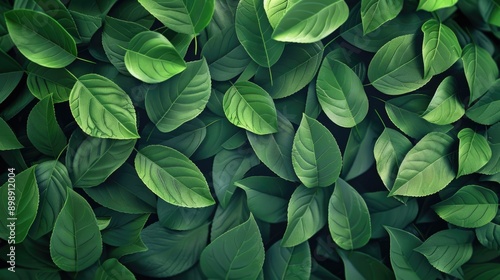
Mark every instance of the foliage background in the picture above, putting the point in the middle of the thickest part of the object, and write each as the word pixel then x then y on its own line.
pixel 275 139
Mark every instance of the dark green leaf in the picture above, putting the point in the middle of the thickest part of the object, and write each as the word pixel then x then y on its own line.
pixel 484 111
pixel 181 218
pixel 288 263
pixel 9 140
pixel 112 269
pixel 374 13
pixel 10 75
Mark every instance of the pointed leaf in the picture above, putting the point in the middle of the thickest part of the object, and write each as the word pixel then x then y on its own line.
pixel 45 81
pixel 173 177
pixel 493 165
pixel 316 156
pixel 276 9
pixel 374 13
pixel 485 111
pixel 10 75
pixel 359 265
pixel 473 152
pixel 112 269
pixel 445 106
pixel 288 263
pixel 9 140
pixel 480 69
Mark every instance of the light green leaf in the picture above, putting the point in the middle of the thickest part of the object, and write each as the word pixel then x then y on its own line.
pixel 388 211
pixel 359 265
pixel 480 69
pixel 276 9
pixel 10 75
pixel 236 254
pixel 23 188
pixel 433 5
pixel 173 177
pixel 75 243
pixel 397 67
pixel 448 249
pixel 250 107
pixel 45 81
pixel 316 155
pixel 225 56
pixel 473 152
pixel 267 197
pixel 102 109
pixel 440 48
pixel 341 93
pixel 485 110
pixel 170 252
pixel 41 38
pixel 374 13
pixel 275 150
pixel 254 32
pixel 9 140
pixel 112 269
pixel 288 263
pixel 389 151
pixel 426 168
pixel 115 38
pixel 181 99
pixel 299 23
pixel 228 167
pixel 152 58
pixel 181 218
pixel 296 69
pixel 493 137
pixel 307 210
pixel 405 112
pixel 406 263
pixel 124 192
pixel 91 160
pixel 43 130
pixel 53 181
pixel 182 16
pixel 348 217
pixel 103 222
pixel 470 207
pixel 445 106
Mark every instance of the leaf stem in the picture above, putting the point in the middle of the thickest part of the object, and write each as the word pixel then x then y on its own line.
pixel 85 60
pixel 380 118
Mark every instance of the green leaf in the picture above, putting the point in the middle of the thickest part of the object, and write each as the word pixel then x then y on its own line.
pixel 102 109
pixel 103 222
pixel 182 16
pixel 237 254
pixel 229 167
pixel 87 25
pixel 250 107
pixel 169 252
pixel 43 130
pixel 316 155
pixel 389 151
pixel 20 198
pixel 115 38
pixel 123 229
pixel 489 236
pixel 275 150
pixel 299 23
pixel 397 67
pixel 151 58
pixel 359 265
pixel 473 152
pixel 225 56
pixel 341 93
pixel 426 168
pixel 45 81
pixel 60 13
pixel 173 177
pixel 124 192
pixel 276 9
pixel 448 249
pixel 288 263
pixel 433 5
pixel 10 75
pixel 481 271
pixel 445 106
pixel 348 217
pixel 219 130
pixel 470 207
pixel 75 243
pixel 306 214
pixel 294 70
pixel 374 13
pixel 133 11
pixel 405 112
pixel 112 269
pixel 9 140
pixel 440 48
pixel 484 111
pixel 53 181
pixel 406 263
pixel 480 69
pixel 41 38
pixel 91 160
pixel 234 214
pixel 254 33
pixel 181 218
pixel 180 99
pixel 267 203
pixel 388 211
pixel 493 137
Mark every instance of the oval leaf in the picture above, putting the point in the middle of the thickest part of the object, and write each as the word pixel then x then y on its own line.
pixel 112 269
pixel 473 151
pixel 445 107
pixel 485 110
pixel 316 155
pixel 433 5
pixel 173 177
pixel 480 69
pixel 374 13
pixel 45 81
